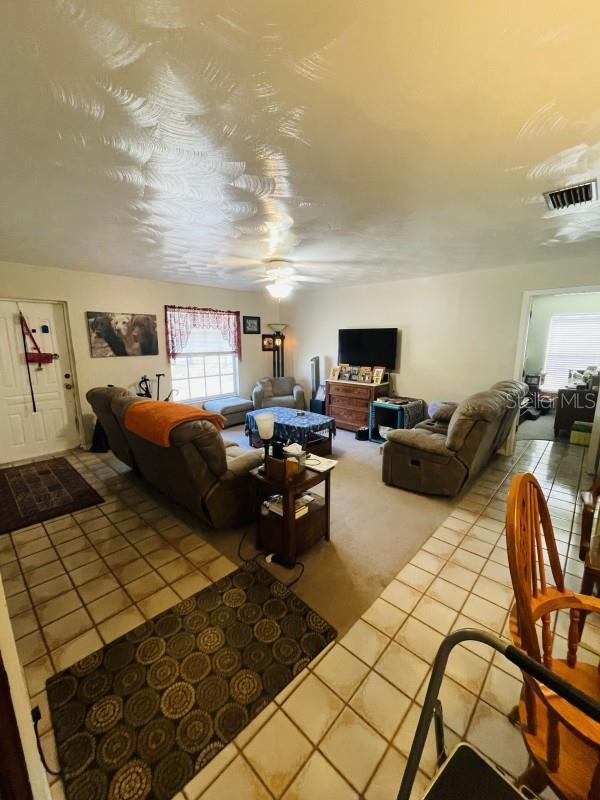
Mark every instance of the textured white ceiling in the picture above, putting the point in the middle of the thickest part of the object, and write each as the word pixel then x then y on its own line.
pixel 190 139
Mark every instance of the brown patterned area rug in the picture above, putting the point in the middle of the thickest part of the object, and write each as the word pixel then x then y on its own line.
pixel 42 490
pixel 140 717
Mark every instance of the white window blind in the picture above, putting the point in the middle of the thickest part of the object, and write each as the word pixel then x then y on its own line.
pixel 209 367
pixel 573 343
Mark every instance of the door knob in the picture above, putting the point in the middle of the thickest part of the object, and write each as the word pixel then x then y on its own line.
pixel 68 385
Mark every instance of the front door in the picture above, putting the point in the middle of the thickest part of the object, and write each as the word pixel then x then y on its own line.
pixel 53 426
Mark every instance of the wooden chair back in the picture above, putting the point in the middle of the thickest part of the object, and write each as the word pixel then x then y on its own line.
pixel 529 532
pixel 556 734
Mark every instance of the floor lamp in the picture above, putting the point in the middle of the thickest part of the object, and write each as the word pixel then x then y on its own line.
pixel 278 348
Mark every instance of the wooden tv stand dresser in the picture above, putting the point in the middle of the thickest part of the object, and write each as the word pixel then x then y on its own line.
pixel 348 402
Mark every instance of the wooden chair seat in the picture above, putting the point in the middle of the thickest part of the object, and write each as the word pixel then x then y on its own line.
pixel 583 676
pixel 572 778
pixel 586 678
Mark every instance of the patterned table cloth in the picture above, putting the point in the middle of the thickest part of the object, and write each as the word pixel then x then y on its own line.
pixel 289 426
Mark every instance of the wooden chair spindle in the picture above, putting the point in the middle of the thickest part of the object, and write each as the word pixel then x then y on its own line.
pixel 553 752
pixel 573 638
pixel 547 641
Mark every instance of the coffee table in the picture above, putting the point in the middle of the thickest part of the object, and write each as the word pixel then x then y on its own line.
pixel 314 432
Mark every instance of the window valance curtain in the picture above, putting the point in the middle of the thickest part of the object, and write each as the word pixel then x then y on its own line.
pixel 181 320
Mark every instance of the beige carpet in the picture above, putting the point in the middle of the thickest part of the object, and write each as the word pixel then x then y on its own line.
pixel 375 530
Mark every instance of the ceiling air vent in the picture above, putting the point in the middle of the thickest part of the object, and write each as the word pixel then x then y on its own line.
pixel 572 196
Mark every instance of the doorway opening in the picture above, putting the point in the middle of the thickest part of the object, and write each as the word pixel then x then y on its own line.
pixel 38 407
pixel 561 367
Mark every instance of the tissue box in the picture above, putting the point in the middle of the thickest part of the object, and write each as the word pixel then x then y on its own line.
pixel 284 469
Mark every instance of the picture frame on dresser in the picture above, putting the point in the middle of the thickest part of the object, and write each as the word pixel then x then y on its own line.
pixel 378 375
pixel 334 373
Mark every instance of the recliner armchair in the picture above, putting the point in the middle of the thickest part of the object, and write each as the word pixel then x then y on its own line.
pixel 435 458
pixel 270 392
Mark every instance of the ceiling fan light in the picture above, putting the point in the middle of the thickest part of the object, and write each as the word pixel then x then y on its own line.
pixel 279 291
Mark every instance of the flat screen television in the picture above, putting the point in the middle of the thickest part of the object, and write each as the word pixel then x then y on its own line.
pixel 368 347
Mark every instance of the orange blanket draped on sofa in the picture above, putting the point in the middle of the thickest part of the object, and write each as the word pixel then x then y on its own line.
pixel 154 420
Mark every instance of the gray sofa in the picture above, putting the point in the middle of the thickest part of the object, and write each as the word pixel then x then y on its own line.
pixel 200 470
pixel 270 392
pixel 440 455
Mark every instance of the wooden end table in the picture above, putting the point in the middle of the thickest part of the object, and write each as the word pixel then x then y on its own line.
pixel 285 535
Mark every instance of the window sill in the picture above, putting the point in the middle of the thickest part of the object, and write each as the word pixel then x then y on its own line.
pixel 195 400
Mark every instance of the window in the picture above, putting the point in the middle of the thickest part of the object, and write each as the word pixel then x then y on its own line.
pixel 209 368
pixel 573 343
pixel 204 347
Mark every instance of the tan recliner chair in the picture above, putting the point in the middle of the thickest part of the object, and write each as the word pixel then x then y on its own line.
pixel 200 470
pixel 270 392
pixel 435 459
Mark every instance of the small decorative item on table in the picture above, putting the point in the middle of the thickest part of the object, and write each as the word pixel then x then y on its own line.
pixel 344 372
pixel 364 375
pixel 334 373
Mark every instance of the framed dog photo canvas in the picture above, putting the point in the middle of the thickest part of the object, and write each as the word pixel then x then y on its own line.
pixel 116 334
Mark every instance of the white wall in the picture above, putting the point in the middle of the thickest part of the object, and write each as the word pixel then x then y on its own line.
pixel 21 704
pixel 83 291
pixel 459 332
pixel 542 310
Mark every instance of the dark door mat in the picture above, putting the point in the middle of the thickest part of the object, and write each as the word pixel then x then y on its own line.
pixel 140 717
pixel 42 490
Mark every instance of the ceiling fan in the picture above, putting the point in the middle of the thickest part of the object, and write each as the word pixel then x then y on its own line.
pixel 281 276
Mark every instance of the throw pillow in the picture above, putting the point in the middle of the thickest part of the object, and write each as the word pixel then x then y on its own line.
pixel 443 411
pixel 267 387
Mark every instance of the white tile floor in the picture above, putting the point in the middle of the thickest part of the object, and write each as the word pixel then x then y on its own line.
pixel 343 728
